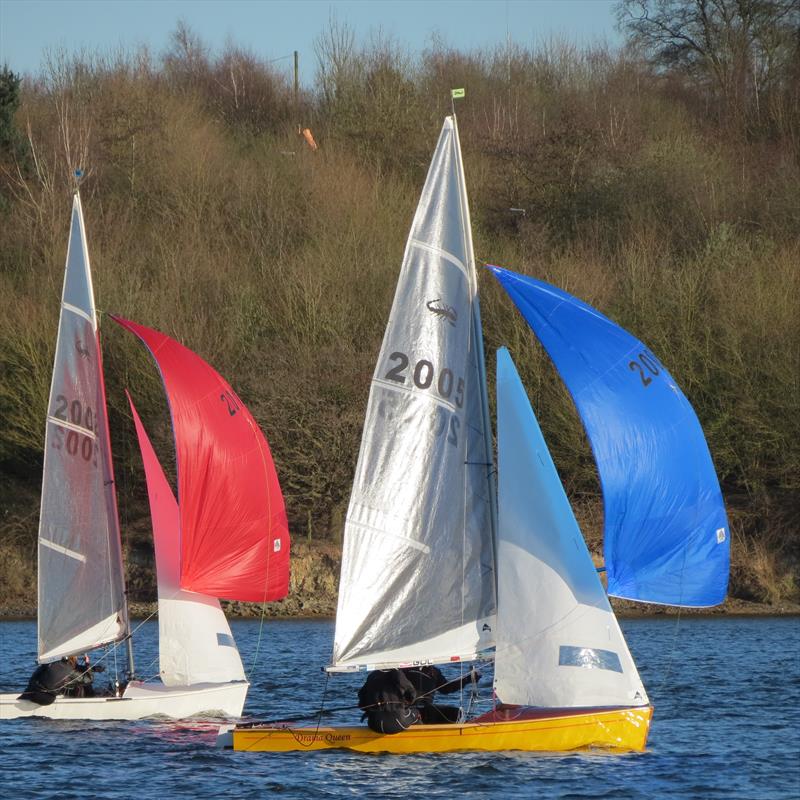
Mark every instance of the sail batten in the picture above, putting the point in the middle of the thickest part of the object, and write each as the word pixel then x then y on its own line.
pixel 80 573
pixel 666 535
pixel 417 577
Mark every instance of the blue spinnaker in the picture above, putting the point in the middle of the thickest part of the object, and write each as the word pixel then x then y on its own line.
pixel 666 532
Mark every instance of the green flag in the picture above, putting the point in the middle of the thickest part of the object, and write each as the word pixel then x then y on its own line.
pixel 456 93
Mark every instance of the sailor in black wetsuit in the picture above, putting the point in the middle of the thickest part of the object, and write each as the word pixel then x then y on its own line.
pixel 387 699
pixel 48 681
pixel 65 677
pixel 426 682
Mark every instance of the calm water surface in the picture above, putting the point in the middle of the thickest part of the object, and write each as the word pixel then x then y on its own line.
pixel 726 693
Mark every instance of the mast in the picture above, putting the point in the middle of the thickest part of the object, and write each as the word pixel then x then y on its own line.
pixel 111 500
pixel 480 355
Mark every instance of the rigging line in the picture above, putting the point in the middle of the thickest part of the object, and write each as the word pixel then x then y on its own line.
pixel 270 546
pixel 299 718
pixel 299 737
pixel 110 496
pixel 118 643
pixel 463 571
pixel 116 666
pixel 322 711
pixel 258 642
pixel 671 655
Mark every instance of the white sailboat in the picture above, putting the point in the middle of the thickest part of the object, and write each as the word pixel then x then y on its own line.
pixel 424 543
pixel 82 601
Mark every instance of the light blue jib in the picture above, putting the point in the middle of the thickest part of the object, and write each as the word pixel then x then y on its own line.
pixel 666 531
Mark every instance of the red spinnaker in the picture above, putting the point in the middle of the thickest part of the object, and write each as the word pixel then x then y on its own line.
pixel 234 534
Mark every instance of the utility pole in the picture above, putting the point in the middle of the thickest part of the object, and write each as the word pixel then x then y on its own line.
pixel 297 90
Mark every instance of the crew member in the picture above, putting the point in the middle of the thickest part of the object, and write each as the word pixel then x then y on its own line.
pixel 427 681
pixel 65 677
pixel 387 700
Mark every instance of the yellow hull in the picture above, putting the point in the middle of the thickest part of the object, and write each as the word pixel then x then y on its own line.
pixel 617 729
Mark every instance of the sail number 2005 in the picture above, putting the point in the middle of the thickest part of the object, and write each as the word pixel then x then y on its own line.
pixel 70 440
pixel 423 376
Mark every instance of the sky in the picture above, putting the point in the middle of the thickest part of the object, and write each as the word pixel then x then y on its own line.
pixel 273 29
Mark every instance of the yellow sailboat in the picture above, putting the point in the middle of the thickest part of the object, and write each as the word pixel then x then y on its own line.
pixel 544 731
pixel 440 565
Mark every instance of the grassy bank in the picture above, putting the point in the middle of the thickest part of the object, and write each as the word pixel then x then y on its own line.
pixel 209 218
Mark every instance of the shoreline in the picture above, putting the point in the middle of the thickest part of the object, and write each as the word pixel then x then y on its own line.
pixel 623 609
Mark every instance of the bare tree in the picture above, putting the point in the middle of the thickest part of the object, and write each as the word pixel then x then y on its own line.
pixel 739 49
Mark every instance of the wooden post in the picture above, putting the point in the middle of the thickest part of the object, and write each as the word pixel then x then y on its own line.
pixel 297 90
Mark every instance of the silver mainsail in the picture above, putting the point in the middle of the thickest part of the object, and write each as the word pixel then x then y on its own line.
pixel 417 580
pixel 81 585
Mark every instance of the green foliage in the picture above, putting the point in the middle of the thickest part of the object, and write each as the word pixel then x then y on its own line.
pixel 210 219
pixel 13 149
pixel 9 102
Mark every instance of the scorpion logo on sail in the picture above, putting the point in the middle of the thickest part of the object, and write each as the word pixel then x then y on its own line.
pixel 83 352
pixel 448 312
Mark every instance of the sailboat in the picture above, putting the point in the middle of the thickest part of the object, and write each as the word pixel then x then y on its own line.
pixel 226 536
pixel 440 566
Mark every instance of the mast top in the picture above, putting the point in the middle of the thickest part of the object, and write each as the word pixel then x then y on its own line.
pixel 456 94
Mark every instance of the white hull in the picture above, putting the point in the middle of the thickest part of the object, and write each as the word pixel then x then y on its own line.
pixel 139 700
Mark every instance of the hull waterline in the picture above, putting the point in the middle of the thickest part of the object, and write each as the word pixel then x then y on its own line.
pixel 621 729
pixel 140 700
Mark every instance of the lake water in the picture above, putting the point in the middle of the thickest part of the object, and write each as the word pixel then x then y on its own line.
pixel 726 693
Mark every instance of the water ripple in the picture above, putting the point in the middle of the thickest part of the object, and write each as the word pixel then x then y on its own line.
pixel 727 710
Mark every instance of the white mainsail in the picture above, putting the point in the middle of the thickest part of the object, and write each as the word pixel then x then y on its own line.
pixel 81 584
pixel 195 644
pixel 558 641
pixel 417 578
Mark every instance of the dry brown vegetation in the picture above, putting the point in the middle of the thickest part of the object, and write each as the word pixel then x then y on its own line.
pixel 210 219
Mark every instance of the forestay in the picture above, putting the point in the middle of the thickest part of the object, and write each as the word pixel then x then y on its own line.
pixel 195 643
pixel 666 531
pixel 558 642
pixel 417 578
pixel 234 539
pixel 81 584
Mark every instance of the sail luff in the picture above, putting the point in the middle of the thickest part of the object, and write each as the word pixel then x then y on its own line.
pixel 81 588
pixel 115 551
pixel 479 354
pixel 115 559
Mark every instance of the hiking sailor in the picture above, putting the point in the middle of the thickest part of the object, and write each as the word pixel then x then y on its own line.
pixel 427 681
pixel 65 677
pixel 387 700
